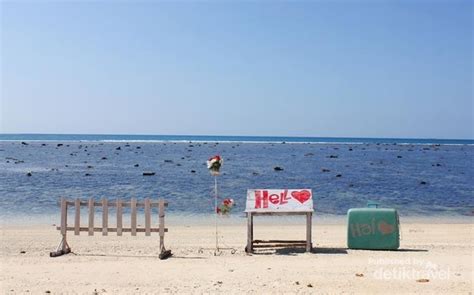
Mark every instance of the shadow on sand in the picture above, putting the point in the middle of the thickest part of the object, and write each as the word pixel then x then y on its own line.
pixel 135 256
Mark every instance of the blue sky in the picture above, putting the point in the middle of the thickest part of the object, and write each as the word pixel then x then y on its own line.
pixel 312 68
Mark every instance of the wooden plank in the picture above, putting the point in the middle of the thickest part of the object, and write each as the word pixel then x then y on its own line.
pixel 161 215
pixel 112 229
pixel 105 216
pixel 153 204
pixel 63 216
pixel 119 217
pixel 278 241
pixel 280 245
pixel 249 247
pixel 308 231
pixel 134 216
pixel 77 217
pixel 91 217
pixel 147 216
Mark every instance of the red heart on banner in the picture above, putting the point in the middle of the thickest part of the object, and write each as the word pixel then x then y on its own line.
pixel 301 196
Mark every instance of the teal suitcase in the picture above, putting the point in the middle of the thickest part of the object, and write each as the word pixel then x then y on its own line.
pixel 373 229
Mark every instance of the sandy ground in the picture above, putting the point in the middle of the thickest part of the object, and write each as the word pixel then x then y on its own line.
pixel 441 253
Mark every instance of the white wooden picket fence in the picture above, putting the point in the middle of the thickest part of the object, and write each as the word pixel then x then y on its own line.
pixel 105 227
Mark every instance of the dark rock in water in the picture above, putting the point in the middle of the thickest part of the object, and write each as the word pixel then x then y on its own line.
pixel 90 167
pixel 309 154
pixel 29 174
pixel 325 170
pixel 339 175
pixel 333 157
pixel 136 165
pixel 277 168
pixel 43 144
pixel 283 142
pixel 148 173
pixel 87 174
pixel 399 157
pixel 350 149
pixel 190 145
pixel 118 148
pixel 178 164
pixel 139 147
pixel 59 144
pixel 255 173
pixel 182 158
pixel 193 171
pixel 104 158
pixel 8 161
pixel 24 143
pixel 168 161
pixel 438 165
pixel 66 165
pixel 423 182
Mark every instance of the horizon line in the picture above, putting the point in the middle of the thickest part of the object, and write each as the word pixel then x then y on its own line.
pixel 207 135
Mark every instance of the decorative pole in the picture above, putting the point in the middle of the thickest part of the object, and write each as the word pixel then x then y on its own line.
pixel 215 211
pixel 214 165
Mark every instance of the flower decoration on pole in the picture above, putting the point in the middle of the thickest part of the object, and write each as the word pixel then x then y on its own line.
pixel 225 207
pixel 214 165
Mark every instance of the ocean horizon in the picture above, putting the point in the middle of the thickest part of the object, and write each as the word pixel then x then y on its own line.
pixel 224 138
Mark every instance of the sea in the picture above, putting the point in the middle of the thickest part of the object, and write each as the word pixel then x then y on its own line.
pixel 418 177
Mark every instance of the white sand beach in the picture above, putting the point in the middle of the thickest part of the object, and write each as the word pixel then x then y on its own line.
pixel 440 253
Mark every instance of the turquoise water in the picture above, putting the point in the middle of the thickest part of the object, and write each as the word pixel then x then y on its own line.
pixel 419 177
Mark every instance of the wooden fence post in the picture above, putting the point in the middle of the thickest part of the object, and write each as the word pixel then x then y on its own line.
pixel 91 217
pixel 64 222
pixel 147 217
pixel 119 217
pixel 133 205
pixel 161 215
pixel 105 217
pixel 77 218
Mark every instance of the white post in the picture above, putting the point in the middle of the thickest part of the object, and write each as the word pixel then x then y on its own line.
pixel 215 211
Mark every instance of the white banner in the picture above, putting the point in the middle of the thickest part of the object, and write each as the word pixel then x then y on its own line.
pixel 279 200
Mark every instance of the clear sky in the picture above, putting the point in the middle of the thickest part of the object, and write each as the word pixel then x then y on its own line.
pixel 312 68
